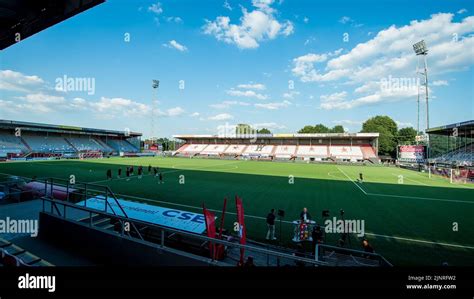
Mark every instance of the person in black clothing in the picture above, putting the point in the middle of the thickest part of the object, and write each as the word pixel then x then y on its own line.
pixel 361 177
pixel 140 172
pixel 119 173
pixel 128 173
pixel 305 215
pixel 131 170
pixel 149 169
pixel 271 225
pixel 367 247
pixel 161 177
pixel 109 174
pixel 155 171
pixel 249 262
pixel 317 236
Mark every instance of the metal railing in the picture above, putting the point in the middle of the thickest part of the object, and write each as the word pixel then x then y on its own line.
pixel 167 231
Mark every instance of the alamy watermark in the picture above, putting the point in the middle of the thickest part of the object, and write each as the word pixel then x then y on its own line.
pixel 80 84
pixel 19 226
pixel 341 226
pixel 392 84
pixel 232 131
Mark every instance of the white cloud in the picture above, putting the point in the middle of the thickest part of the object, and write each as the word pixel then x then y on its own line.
pixel 226 5
pixel 176 20
pixel 176 111
pixel 345 20
pixel 306 20
pixel 16 81
pixel 156 8
pixel 172 44
pixel 255 26
pixel 273 106
pixel 222 116
pixel 403 124
pixel 462 10
pixel 246 93
pixel 291 94
pixel 390 53
pixel 227 104
pixel 195 114
pixel 256 86
pixel 440 83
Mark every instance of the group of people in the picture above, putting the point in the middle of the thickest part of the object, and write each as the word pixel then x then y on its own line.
pixel 130 170
pixel 317 234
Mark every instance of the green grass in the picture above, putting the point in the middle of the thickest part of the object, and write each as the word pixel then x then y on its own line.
pixel 409 223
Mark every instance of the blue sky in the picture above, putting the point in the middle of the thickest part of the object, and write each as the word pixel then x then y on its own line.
pixel 275 64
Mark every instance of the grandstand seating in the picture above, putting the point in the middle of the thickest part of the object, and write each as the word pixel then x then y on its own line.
pixel 461 156
pixel 258 150
pixel 285 151
pixel 214 149
pixel 10 144
pixel 194 148
pixel 318 152
pixel 346 152
pixel 235 149
pixel 368 151
pixel 47 144
pixel 312 151
pixel 85 143
pixel 121 145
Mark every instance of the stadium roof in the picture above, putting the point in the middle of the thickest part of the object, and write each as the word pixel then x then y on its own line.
pixel 463 127
pixel 28 126
pixel 28 17
pixel 283 136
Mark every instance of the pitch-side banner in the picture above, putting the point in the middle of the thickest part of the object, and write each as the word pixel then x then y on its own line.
pixel 177 219
pixel 412 152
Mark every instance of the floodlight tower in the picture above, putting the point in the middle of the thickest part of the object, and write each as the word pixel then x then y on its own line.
pixel 421 49
pixel 154 102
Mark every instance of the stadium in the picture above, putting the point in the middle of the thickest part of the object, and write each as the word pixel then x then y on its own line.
pixel 230 138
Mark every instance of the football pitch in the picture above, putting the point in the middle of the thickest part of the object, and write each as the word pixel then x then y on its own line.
pixel 410 219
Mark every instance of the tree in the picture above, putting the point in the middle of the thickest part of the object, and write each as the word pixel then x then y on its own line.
pixel 306 130
pixel 407 135
pixel 263 131
pixel 337 129
pixel 387 128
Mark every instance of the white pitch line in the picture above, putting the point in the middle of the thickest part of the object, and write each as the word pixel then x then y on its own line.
pixel 422 241
pixel 412 180
pixel 351 180
pixel 290 222
pixel 422 198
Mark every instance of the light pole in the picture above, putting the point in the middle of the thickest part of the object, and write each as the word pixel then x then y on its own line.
pixel 421 49
pixel 154 84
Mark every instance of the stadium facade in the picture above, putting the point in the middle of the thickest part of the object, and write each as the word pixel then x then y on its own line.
pixel 347 147
pixel 24 140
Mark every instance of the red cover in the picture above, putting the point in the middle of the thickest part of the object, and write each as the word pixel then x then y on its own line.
pixel 210 228
pixel 242 232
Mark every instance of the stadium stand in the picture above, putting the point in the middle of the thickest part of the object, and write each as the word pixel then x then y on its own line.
pixel 42 140
pixel 47 144
pixel 11 144
pixel 121 145
pixel 312 151
pixel 310 147
pixel 214 149
pixel 352 153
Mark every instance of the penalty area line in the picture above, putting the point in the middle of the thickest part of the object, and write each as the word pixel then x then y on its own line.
pixel 352 180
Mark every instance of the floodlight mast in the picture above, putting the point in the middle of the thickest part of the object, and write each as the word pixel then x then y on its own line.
pixel 154 84
pixel 421 49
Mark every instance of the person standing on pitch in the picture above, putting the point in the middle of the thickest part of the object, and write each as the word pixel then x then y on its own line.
pixel 305 216
pixel 271 225
pixel 161 178
pixel 109 174
pixel 119 173
pixel 149 168
pixel 140 171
